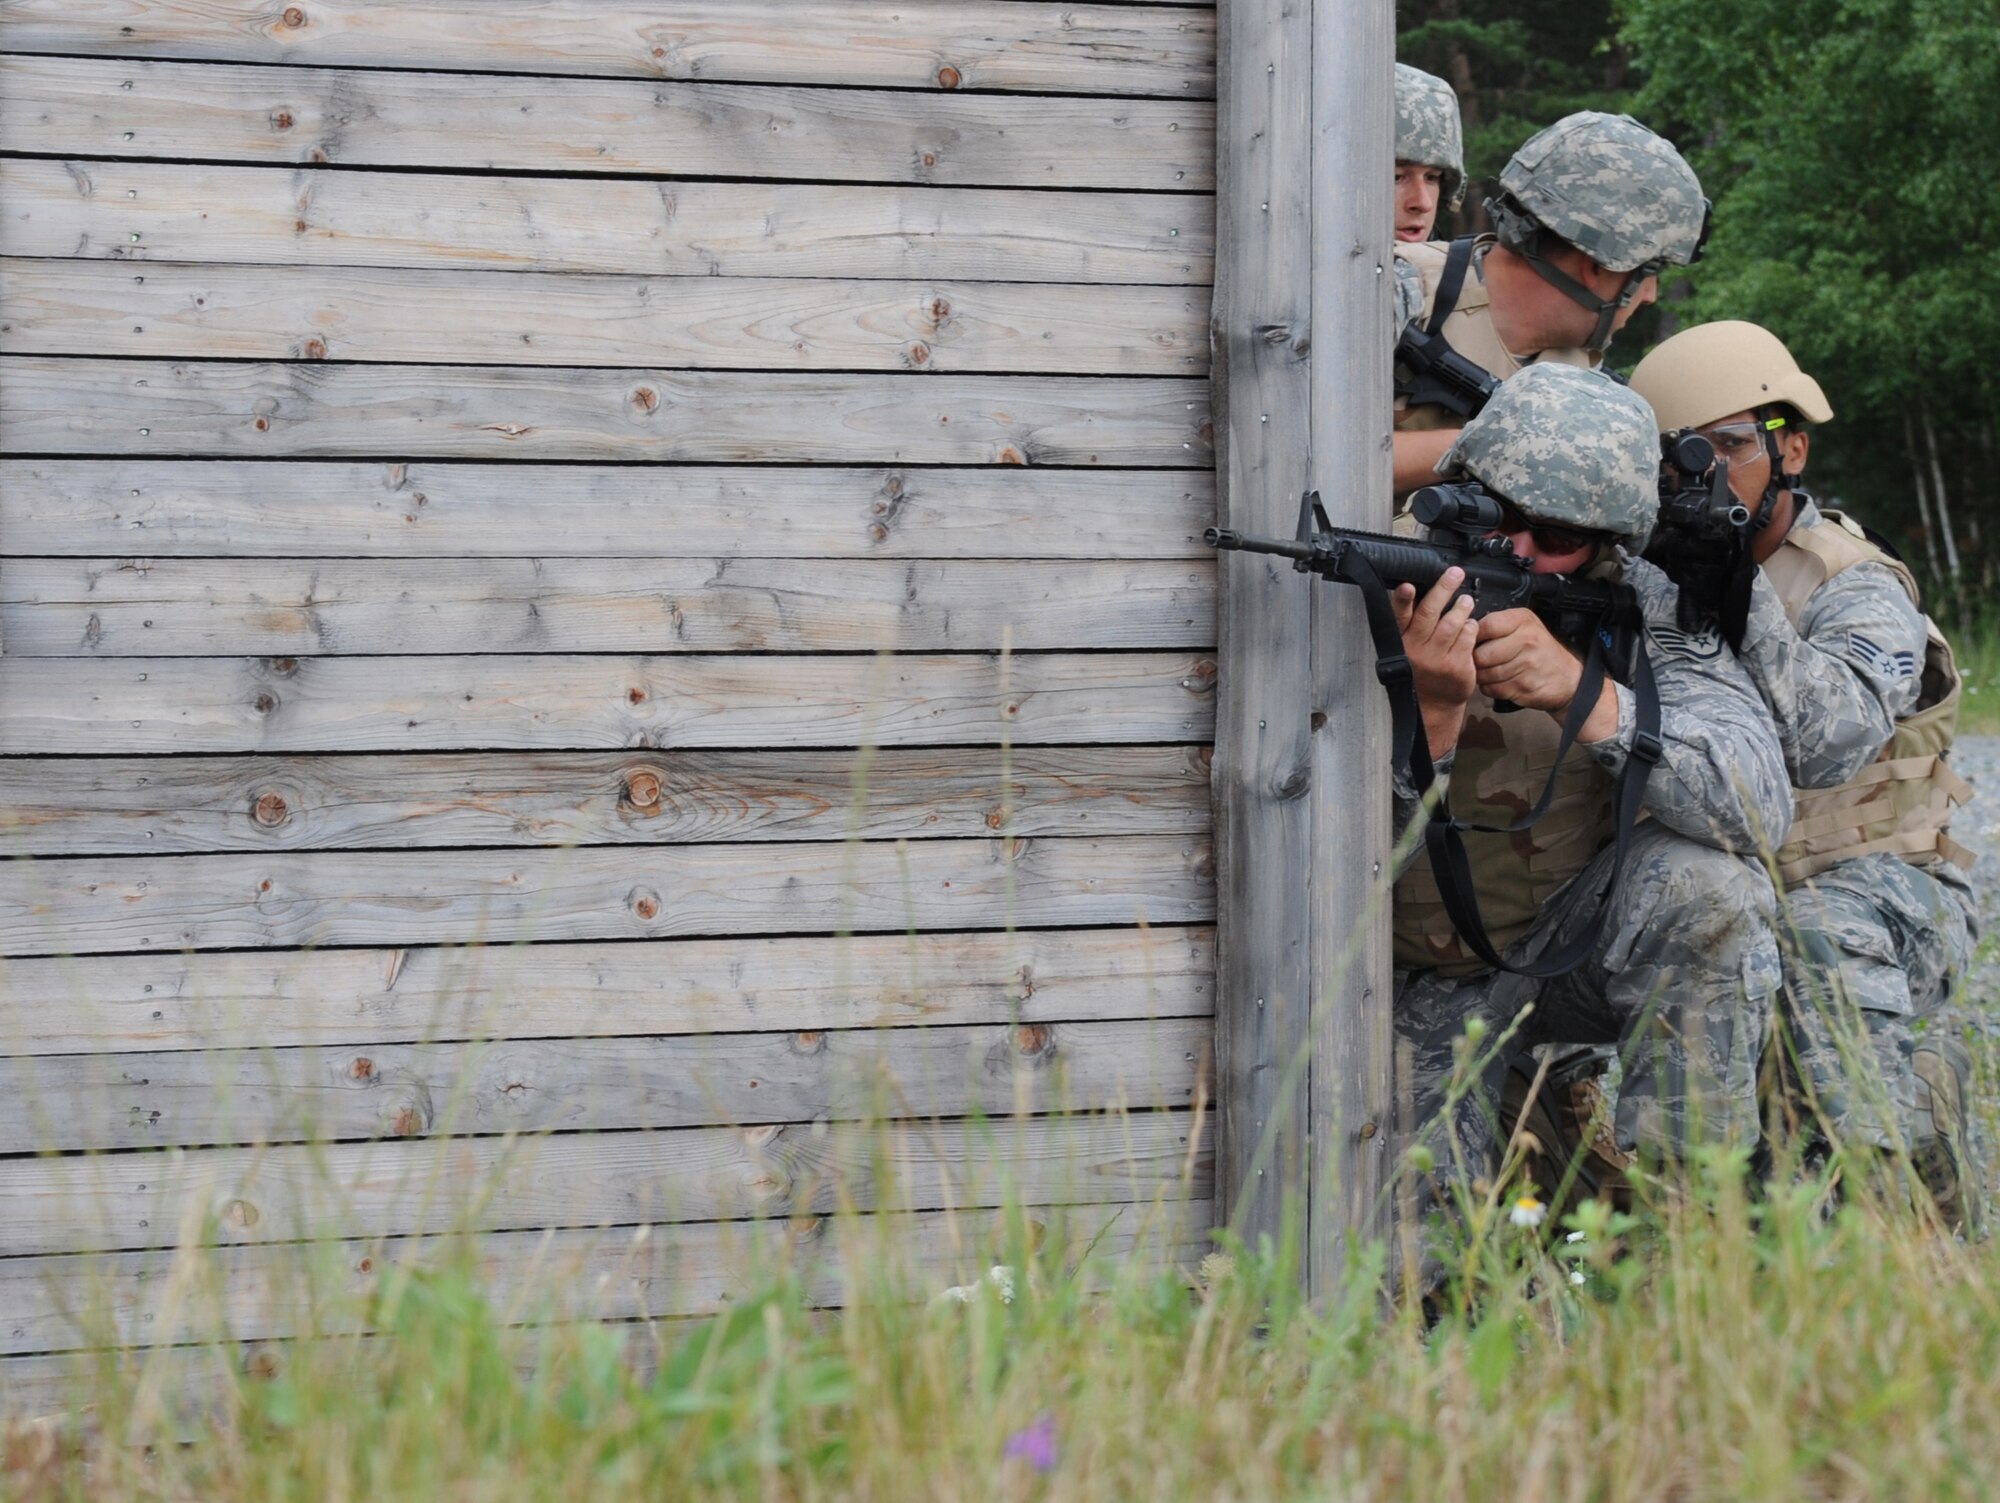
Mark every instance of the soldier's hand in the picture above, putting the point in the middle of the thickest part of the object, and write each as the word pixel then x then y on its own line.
pixel 1439 636
pixel 1519 658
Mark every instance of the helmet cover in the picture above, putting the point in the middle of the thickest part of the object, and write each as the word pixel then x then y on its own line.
pixel 1428 131
pixel 1566 446
pixel 1612 188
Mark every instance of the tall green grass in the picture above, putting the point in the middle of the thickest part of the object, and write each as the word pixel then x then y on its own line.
pixel 1730 1340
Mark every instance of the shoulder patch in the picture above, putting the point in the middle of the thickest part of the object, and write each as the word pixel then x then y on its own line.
pixel 1866 652
pixel 1696 646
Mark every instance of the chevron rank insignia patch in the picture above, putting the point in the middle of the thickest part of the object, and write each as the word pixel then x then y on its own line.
pixel 1699 646
pixel 1865 652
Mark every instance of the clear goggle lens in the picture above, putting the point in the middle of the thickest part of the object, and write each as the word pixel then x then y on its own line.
pixel 1739 443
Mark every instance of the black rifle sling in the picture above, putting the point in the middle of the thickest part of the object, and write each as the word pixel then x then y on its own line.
pixel 1443 841
pixel 1457 261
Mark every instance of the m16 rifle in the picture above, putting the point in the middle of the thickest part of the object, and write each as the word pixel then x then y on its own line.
pixel 1462 529
pixel 1430 373
pixel 1462 525
pixel 1702 538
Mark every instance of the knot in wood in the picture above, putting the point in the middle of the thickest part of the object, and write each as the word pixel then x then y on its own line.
pixel 263 1364
pixel 263 425
pixel 265 702
pixel 645 903
pixel 1033 1039
pixel 1011 455
pixel 270 809
pixel 646 399
pixel 948 77
pixel 294 17
pixel 363 1068
pixel 940 310
pixel 643 789
pixel 315 348
pixel 240 1213
pixel 930 159
pixel 281 667
pixel 407 1123
pixel 367 1265
pixel 920 353
pixel 282 120
pixel 809 1041
pixel 635 695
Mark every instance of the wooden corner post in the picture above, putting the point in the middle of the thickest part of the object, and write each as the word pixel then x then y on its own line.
pixel 1301 338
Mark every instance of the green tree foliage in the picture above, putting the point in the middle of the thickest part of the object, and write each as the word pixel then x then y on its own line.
pixel 1516 65
pixel 1849 146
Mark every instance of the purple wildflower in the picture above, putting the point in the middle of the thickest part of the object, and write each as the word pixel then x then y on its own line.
pixel 1035 1445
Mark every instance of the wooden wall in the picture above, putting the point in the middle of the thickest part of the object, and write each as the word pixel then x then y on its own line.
pixel 590 592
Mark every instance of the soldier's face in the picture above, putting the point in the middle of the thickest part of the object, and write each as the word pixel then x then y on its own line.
pixel 1739 439
pixel 1551 548
pixel 1417 191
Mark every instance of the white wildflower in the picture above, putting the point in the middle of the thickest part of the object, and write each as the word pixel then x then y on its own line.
pixel 1527 1211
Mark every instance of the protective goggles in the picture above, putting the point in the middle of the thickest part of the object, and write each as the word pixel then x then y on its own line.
pixel 1547 538
pixel 1740 443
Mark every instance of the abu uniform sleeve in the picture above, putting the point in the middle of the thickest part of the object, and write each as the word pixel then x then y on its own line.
pixel 1721 778
pixel 1836 684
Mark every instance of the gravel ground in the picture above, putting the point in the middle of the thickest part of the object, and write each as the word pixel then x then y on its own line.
pixel 1977 759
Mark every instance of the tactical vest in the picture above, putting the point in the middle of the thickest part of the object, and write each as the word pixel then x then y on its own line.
pixel 1902 801
pixel 1499 770
pixel 1468 328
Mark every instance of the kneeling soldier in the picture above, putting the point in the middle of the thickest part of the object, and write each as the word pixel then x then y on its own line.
pixel 1682 962
pixel 1879 917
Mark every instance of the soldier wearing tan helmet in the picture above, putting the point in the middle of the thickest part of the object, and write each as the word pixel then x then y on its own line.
pixel 1864 694
pixel 1588 213
pixel 1430 152
pixel 1682 964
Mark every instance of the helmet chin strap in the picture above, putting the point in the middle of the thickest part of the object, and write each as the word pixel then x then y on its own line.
pixel 1780 481
pixel 1523 236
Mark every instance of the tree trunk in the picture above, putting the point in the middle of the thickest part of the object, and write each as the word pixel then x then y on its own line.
pixel 1923 496
pixel 1943 503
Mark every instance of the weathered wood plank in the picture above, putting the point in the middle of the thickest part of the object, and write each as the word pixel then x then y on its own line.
pixel 149 607
pixel 301 508
pixel 1353 1033
pixel 1160 49
pixel 342 998
pixel 60 1302
pixel 557 701
pixel 398 1188
pixel 59 106
pixel 96 407
pixel 124 904
pixel 1266 845
pixel 556 318
pixel 107 806
pixel 139 212
pixel 261 1095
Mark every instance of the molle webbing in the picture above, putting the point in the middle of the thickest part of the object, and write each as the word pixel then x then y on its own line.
pixel 1901 803
pixel 1500 763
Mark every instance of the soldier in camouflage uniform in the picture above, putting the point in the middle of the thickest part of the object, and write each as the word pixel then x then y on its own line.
pixel 1588 212
pixel 1879 918
pixel 1430 152
pixel 1685 965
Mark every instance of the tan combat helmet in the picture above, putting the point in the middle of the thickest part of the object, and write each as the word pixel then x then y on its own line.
pixel 1428 131
pixel 1713 370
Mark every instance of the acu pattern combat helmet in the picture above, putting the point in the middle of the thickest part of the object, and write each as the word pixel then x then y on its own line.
pixel 1611 188
pixel 1567 446
pixel 1428 131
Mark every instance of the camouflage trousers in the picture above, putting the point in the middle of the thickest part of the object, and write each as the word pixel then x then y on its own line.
pixel 1872 949
pixel 1683 979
